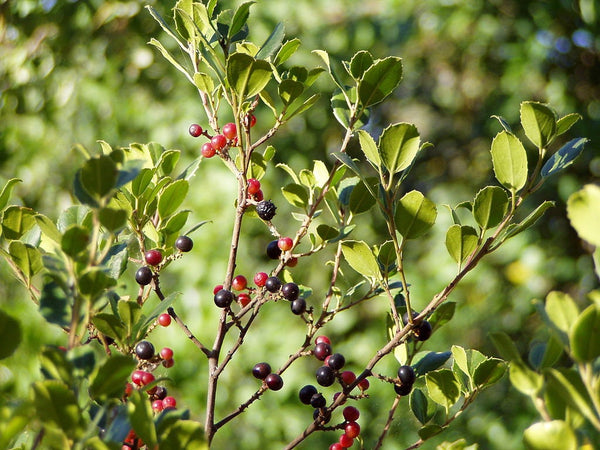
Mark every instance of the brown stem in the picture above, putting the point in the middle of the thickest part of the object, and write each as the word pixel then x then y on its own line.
pixel 388 423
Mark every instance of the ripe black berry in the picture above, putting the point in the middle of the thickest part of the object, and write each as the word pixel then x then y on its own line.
pixel 184 243
pixel 273 284
pixel 298 306
pixel 336 361
pixel 322 351
pixel 406 374
pixel 273 250
pixel 306 393
pixel 143 276
pixel 144 350
pixel 318 401
pixel 261 370
pixel 404 389
pixel 405 317
pixel 290 291
pixel 325 376
pixel 223 298
pixel 423 331
pixel 274 381
pixel 160 393
pixel 266 210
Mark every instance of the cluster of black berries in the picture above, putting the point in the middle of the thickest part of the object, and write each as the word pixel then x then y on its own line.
pixel 289 291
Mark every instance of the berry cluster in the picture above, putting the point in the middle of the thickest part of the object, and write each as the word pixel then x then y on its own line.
pixel 289 291
pixel 221 141
pixel 262 371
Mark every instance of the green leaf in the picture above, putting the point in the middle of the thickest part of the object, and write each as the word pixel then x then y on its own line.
pixel 184 434
pixel 55 403
pixel 176 222
pixel 539 123
pixel 17 221
pixel 110 325
pixel 246 75
pixel 461 241
pixel 561 310
pixel 442 315
pixel 342 110
pixel 48 228
pixel 240 17
pixel 55 305
pixel 585 335
pixel 112 219
pixel 360 257
pixel 129 312
pixel 509 160
pixel 308 103
pixel 204 82
pixel 550 436
pixel 27 258
pixel 75 240
pixel 95 281
pixel 415 215
pixel 99 176
pixel 290 90
pixel 421 407
pixel 369 148
pixel 530 220
pixel 273 43
pixel 553 350
pixel 583 209
pixel 10 334
pixel 564 157
pixel 171 197
pixel 505 346
pixel 398 146
pixel 490 206
pixel 428 431
pixel 443 387
pixel 565 123
pixel 359 63
pixel 286 51
pixel 150 314
pixel 167 162
pixel 361 199
pixel 524 379
pixel 116 260
pixel 140 415
pixel 504 123
pixel 489 372
pixel 567 383
pixel 295 194
pixel 7 191
pixel 430 361
pixel 326 232
pixel 111 378
pixel 380 80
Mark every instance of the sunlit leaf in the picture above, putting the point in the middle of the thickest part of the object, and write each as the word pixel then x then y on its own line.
pixel 583 209
pixel 539 123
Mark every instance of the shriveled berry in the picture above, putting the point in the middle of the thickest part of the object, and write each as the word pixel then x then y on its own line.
pixel 144 350
pixel 218 142
pixel 161 392
pixel 336 361
pixel 266 210
pixel 207 150
pixel 229 130
pixel 290 291
pixel 261 370
pixel 153 257
pixel 239 283
pixel 169 402
pixel 184 243
pixel 406 374
pixel 351 413
pixel 298 306
pixel 423 331
pixel 223 298
pixel 305 394
pixel 253 186
pixel 273 284
pixel 322 351
pixel 274 381
pixel 318 401
pixel 260 279
pixel 285 244
pixel 168 363
pixel 403 389
pixel 325 376
pixel 273 250
pixel 259 196
pixel 292 262
pixel 195 130
pixel 244 299
pixel 143 276
pixel 164 320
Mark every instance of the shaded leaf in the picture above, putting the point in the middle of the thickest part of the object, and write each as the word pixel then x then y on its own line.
pixel 184 434
pixel 55 305
pixel 27 258
pixel 141 417
pixel 530 220
pixel 361 199
pixel 443 387
pixel 17 221
pixel 585 335
pixel 99 176
pixel 359 63
pixel 111 377
pixel 421 407
pixel 112 219
pixel 564 157
pixel 273 43
pixel 490 206
pixel 10 334
pixel 430 362
pixel 56 404
pixel 488 372
pixel 505 346
pixel 461 241
pixel 567 383
pixel 565 123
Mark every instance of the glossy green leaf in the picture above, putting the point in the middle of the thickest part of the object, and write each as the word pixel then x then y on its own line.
pixel 415 215
pixel 290 90
pixel 286 51
pixel 307 178
pixel 17 221
pixel 55 305
pixel 246 75
pixel 305 106
pixel 99 176
pixel 553 350
pixel 489 372
pixel 552 435
pixel 430 361
pixel 442 315
pixel 509 160
pixel 55 403
pixel 240 17
pixel 167 162
pixel 27 258
pixel 539 123
pixel 564 157
pixel 75 241
pixel 443 387
pixel 585 335
pixel 10 334
pixel 111 377
pixel 176 222
pixel 7 191
pixel 490 206
pixel 561 310
pixel 112 219
pixel 273 43
pixel 530 220
pixel 359 63
pixel 461 241
pixel 81 194
pixel 361 199
pixel 422 408
pixel 505 346
pixel 295 194
pixel 524 379
pixel 369 148
pixel 171 197
pixel 565 123
pixel 398 146
pixel 567 383
pixel 115 260
pixel 583 209
pixel 360 257
pixel 140 415
pixel 380 80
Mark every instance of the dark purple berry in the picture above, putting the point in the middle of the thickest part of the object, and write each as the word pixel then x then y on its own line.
pixel 405 317
pixel 404 389
pixel 298 306
pixel 318 401
pixel 273 284
pixel 195 130
pixel 406 374
pixel 336 361
pixel 325 376
pixel 423 331
pixel 223 298
pixel 274 381
pixel 306 393
pixel 322 351
pixel 161 392
pixel 261 370
pixel 143 276
pixel 266 210
pixel 273 250
pixel 290 291
pixel 184 243
pixel 144 350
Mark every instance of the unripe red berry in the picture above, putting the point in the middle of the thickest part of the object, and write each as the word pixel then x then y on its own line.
pixel 253 186
pixel 352 429
pixel 292 262
pixel 244 299
pixel 348 377
pixel 169 402
pixel 322 351
pixel 260 279
pixel 217 288
pixel 230 130
pixel 128 389
pixel 336 446
pixel 285 244
pixel 259 196
pixel 147 378
pixel 239 283
pixel 168 363
pixel 218 142
pixel 136 377
pixel 324 339
pixel 164 320
pixel 207 150
pixel 363 384
pixel 166 353
pixel 346 441
pixel 195 130
pixel 153 257
pixel 157 405
pixel 249 120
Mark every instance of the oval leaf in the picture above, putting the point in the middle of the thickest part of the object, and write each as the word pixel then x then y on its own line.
pixel 561 310
pixel 111 377
pixel 10 335
pixel 99 175
pixel 360 257
pixel 443 387
pixel 539 123
pixel 550 436
pixel 564 157
pixel 171 197
pixel 490 206
pixel 369 148
pixel 398 146
pixel 461 241
pixel 415 215
pixel 585 335
pixel 380 80
pixel 583 209
pixel 509 160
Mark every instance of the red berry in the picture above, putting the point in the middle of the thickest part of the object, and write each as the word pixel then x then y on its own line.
pixel 168 363
pixel 207 150
pixel 352 429
pixel 336 446
pixel 153 257
pixel 217 288
pixel 260 279
pixel 244 299
pixel 195 130
pixel 169 402
pixel 324 339
pixel 239 283
pixel 259 196
pixel 249 120
pixel 346 441
pixel 157 405
pixel 136 377
pixel 128 389
pixel 285 244
pixel 348 377
pixel 164 320
pixel 292 262
pixel 351 414
pixel 364 384
pixel 230 131
pixel 274 381
pixel 218 142
pixel 336 395
pixel 253 186
pixel 147 378
pixel 166 353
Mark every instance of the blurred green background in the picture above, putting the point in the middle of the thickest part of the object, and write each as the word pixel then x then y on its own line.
pixel 73 72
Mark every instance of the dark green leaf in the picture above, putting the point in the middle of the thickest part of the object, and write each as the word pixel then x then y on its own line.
pixel 75 215
pixel 273 43
pixel 171 197
pixel 129 312
pixel 94 281
pixel 167 162
pixel 430 362
pixel 246 75
pixel 141 417
pixel 290 90
pixel 361 199
pixel 398 146
pixel 75 241
pixel 56 404
pixel 442 315
pixel 129 172
pixel 308 103
pixel 415 215
pixel 10 335
pixel 55 365
pixel 99 176
pixel 342 111
pixel 240 18
pixel 530 219
pixel 55 305
pixel 509 160
pixel 109 381
pixel 380 80
pixel 585 335
pixel 505 346
pixel 326 232
pixel 504 123
pixel 17 221
pixel 110 325
pixel 176 222
pixel 116 260
pixel 421 407
pixel 112 219
pixel 428 431
pixel 7 191
pixel 489 372
pixel 539 123
pixel 359 63
pixel 490 206
pixel 184 434
pixel 564 157
pixel 567 383
pixel 81 193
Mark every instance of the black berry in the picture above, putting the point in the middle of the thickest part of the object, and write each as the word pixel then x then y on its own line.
pixel 223 298
pixel 143 276
pixel 322 351
pixel 306 393
pixel 298 306
pixel 273 250
pixel 325 376
pixel 318 401
pixel 423 331
pixel 273 284
pixel 404 389
pixel 184 243
pixel 266 210
pixel 336 361
pixel 160 393
pixel 144 350
pixel 406 374
pixel 290 291
pixel 274 381
pixel 405 317
pixel 261 370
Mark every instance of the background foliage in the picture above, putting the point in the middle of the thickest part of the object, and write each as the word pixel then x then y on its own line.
pixel 74 72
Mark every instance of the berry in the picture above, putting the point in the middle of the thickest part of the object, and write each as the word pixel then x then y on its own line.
pixel 157 405
pixel 322 351
pixel 292 262
pixel 253 186
pixel 166 353
pixel 273 284
pixel 306 394
pixel 318 401
pixel 259 196
pixel 217 288
pixel 153 257
pixel 403 389
pixel 218 142
pixel 244 299
pixel 147 378
pixel 325 376
pixel 261 370
pixel 348 377
pixel 346 441
pixel 290 291
pixel 363 384
pixel 169 402
pixel 207 150
pixel 229 131
pixel 336 361
pixel 223 298
pixel 351 414
pixel 249 120
pixel 352 429
pixel 324 339
pixel 164 320
pixel 274 381
pixel 405 317
pixel 195 130
pixel 273 250
pixel 260 279
pixel 168 363
pixel 136 377
pixel 161 392
pixel 336 395
pixel 266 210
pixel 239 283
pixel 336 446
pixel 298 306
pixel 285 244
pixel 143 276
pixel 144 350
pixel 184 243
pixel 406 374
pixel 423 331
pixel 128 389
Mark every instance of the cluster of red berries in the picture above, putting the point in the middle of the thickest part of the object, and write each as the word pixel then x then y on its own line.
pixel 219 142
pixel 262 371
pixel 154 258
